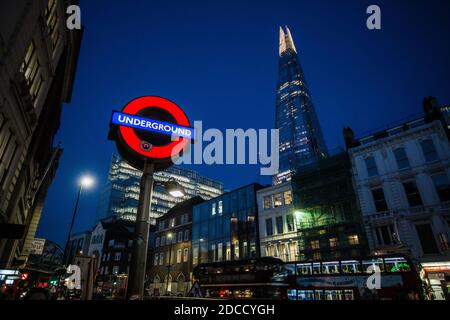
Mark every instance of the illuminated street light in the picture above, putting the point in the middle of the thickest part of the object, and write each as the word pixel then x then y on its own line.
pixel 174 188
pixel 85 181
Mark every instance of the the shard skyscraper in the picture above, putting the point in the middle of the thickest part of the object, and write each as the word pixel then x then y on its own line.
pixel 301 139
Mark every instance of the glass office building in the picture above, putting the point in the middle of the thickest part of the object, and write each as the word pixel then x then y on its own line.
pixel 120 195
pixel 301 139
pixel 226 227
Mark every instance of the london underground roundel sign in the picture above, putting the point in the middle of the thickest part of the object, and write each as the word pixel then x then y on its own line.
pixel 151 129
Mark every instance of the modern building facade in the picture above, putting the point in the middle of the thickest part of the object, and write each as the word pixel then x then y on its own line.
pixel 277 226
pixel 38 59
pixel 170 265
pixel 301 139
pixel 327 214
pixel 402 178
pixel 121 194
pixel 226 227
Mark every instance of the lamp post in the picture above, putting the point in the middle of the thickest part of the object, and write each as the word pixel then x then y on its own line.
pixel 136 277
pixel 169 238
pixel 85 182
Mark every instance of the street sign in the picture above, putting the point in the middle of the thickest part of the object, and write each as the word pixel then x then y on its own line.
pixel 150 129
pixel 37 246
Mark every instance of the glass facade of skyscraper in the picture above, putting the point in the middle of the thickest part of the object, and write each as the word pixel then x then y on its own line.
pixel 120 195
pixel 301 139
pixel 226 227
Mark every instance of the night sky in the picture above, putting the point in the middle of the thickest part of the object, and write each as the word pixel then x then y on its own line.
pixel 218 61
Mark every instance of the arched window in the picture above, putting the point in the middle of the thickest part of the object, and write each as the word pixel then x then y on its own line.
pixel 181 283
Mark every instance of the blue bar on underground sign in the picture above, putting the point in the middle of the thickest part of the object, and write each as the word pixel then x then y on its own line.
pixel 128 120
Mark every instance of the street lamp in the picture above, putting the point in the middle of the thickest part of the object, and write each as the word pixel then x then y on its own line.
pixel 174 188
pixel 169 238
pixel 86 181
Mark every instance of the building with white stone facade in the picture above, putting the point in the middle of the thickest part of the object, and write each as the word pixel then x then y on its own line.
pixel 277 227
pixel 402 181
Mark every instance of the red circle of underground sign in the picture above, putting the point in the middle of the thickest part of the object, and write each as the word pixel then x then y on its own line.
pixel 133 141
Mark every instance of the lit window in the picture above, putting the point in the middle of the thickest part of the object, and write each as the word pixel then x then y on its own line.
pixel 315 244
pixel 31 69
pixel 186 255
pixel 278 200
pixel 115 270
pixel 213 209
pixel 155 261
pixel 353 240
pixel 288 197
pixel 161 258
pixel 179 256
pixel 333 242
pixel 220 208
pixel 267 202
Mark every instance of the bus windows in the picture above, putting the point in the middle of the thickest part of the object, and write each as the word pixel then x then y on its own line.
pixel 397 264
pixel 351 266
pixel 305 294
pixel 292 294
pixel 316 268
pixel 374 262
pixel 330 267
pixel 304 269
pixel 334 295
pixel 349 295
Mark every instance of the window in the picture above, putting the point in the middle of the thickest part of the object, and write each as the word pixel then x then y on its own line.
pixel 213 250
pixel 157 242
pixel 333 242
pixel 353 240
pixel 161 258
pixel 385 235
pixel 442 186
pixel 269 227
pixel 186 235
pixel 428 149
pixel 315 244
pixel 108 257
pixel 161 225
pixel 378 198
pixel 427 240
pixel 371 167
pixel 172 223
pixel 278 200
pixel 117 256
pixel 155 261
pixel 401 158
pixel 290 222
pixel 288 197
pixel 106 270
pixel 111 243
pixel 219 252
pixel 31 69
pixel 267 202
pixel 180 236
pixel 317 256
pixel 213 209
pixel 163 240
pixel 115 270
pixel 220 208
pixel 179 256
pixel 412 193
pixel 185 255
pixel 279 223
pixel 52 19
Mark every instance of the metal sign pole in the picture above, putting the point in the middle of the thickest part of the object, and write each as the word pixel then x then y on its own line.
pixel 140 242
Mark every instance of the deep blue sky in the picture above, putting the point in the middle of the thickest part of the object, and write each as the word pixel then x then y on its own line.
pixel 218 61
